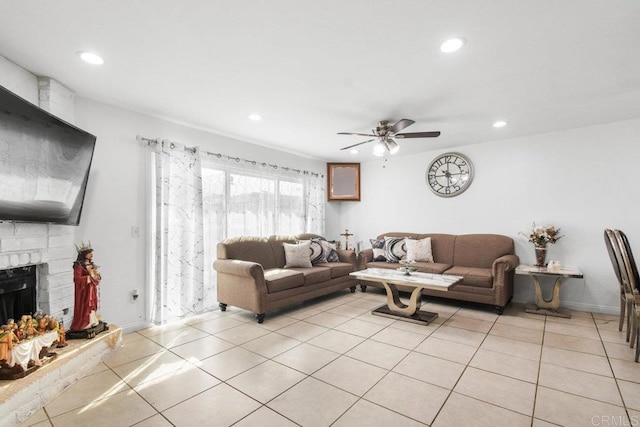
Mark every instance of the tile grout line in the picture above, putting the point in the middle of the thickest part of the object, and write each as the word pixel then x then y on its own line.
pixel 535 395
pixel 359 398
pixel 245 322
pixel 464 370
pixel 615 378
pixel 307 376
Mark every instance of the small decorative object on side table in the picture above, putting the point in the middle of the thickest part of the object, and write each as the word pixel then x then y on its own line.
pixel 541 236
pixel 555 270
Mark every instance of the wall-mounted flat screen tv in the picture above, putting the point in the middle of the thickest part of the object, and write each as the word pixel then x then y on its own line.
pixel 44 164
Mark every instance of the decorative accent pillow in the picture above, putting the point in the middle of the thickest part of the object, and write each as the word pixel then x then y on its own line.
pixel 419 250
pixel 394 249
pixel 318 253
pixel 297 255
pixel 330 251
pixel 378 249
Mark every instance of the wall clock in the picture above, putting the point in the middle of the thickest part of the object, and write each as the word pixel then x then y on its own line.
pixel 449 174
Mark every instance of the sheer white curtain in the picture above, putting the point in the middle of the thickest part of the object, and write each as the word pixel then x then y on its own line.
pixel 315 197
pixel 179 288
pixel 202 199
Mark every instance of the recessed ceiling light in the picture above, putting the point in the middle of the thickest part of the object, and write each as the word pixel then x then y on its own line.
pixel 354 151
pixel 255 117
pixel 91 58
pixel 500 124
pixel 452 45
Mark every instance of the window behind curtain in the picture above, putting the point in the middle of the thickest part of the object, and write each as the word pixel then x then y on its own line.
pixel 257 201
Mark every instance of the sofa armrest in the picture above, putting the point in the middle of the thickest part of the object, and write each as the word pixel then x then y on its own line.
pixel 504 263
pixel 365 256
pixel 236 267
pixel 346 255
pixel 241 284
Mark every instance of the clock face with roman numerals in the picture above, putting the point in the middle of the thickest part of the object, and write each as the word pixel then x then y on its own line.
pixel 449 174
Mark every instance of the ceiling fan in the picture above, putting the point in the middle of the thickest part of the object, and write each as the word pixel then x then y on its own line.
pixel 384 134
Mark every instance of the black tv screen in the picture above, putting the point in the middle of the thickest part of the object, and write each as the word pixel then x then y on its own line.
pixel 44 164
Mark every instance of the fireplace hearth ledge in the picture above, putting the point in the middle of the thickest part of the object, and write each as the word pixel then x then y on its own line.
pixel 25 396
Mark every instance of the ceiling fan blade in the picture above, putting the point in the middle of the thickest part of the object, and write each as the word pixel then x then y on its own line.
pixel 355 145
pixel 352 133
pixel 401 124
pixel 418 135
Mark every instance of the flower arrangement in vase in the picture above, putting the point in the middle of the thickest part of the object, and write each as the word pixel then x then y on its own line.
pixel 541 236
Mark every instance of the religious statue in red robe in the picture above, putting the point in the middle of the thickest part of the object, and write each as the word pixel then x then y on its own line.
pixel 86 279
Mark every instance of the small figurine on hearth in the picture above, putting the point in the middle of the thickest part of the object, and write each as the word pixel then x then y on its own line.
pixel 86 278
pixel 54 325
pixel 15 328
pixel 7 340
pixel 22 327
pixel 30 327
pixel 20 333
pixel 11 324
pixel 43 323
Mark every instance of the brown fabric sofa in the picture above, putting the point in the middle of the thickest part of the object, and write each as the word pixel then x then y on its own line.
pixel 251 274
pixel 486 261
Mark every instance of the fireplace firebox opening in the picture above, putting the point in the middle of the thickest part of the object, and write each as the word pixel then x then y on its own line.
pixel 17 292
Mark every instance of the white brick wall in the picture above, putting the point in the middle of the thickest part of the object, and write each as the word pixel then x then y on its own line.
pixel 20 244
pixel 58 280
pixel 18 80
pixel 56 99
pixel 59 266
pixel 30 229
pixel 29 244
pixel 61 241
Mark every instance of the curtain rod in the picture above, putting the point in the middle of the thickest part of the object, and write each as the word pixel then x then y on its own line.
pixel 151 142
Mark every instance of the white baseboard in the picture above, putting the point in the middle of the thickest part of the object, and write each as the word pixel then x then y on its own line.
pixel 578 306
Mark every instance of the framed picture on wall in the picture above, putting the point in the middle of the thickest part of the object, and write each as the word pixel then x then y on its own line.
pixel 343 182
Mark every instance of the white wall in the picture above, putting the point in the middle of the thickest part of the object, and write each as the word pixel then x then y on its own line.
pixel 582 180
pixel 117 195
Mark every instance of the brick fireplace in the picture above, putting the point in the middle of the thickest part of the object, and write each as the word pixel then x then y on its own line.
pixel 51 249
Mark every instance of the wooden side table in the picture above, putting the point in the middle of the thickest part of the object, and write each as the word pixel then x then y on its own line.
pixel 550 306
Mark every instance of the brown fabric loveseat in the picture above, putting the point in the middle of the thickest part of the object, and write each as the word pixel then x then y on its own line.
pixel 486 261
pixel 251 274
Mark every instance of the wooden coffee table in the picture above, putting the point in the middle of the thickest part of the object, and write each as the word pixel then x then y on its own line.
pixel 395 308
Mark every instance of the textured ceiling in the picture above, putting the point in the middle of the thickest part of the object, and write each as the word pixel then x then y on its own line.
pixel 315 68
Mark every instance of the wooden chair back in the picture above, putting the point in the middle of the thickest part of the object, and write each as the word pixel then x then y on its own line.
pixel 615 255
pixel 631 268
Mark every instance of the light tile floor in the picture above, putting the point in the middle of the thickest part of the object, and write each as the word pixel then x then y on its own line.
pixel 330 362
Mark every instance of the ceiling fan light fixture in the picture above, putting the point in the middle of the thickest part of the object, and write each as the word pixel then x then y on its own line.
pixel 384 136
pixel 378 149
pixel 392 146
pixel 452 44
